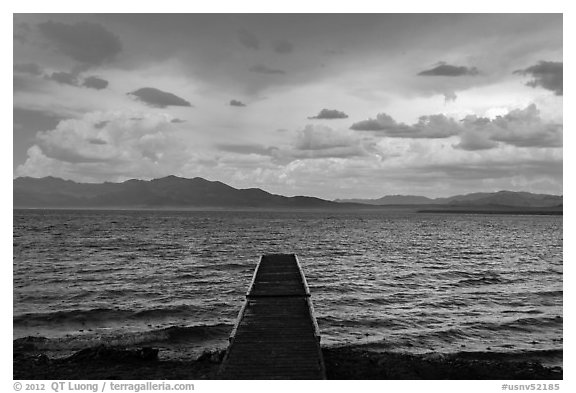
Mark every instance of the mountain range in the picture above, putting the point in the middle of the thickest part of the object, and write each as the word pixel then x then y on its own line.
pixel 500 198
pixel 177 192
pixel 170 191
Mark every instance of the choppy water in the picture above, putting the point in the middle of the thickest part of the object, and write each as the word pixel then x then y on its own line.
pixel 403 282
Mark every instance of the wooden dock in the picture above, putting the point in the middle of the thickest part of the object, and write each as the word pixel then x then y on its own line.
pixel 276 335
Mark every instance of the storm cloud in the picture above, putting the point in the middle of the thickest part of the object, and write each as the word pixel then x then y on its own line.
pixel 158 98
pixel 64 78
pixel 450 70
pixel 546 74
pixel 86 42
pixel 93 82
pixel 330 114
pixel 380 123
pixel 237 103
pixel 73 79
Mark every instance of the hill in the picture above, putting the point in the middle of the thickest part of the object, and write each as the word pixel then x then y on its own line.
pixel 170 191
pixel 500 199
pixel 178 192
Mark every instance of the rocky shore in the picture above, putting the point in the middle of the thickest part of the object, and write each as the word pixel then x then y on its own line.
pixel 115 363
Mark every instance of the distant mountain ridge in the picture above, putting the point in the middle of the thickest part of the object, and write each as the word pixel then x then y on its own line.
pixel 170 191
pixel 392 200
pixel 173 191
pixel 499 198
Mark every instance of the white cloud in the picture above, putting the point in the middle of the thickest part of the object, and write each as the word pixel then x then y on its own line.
pixel 519 127
pixel 106 146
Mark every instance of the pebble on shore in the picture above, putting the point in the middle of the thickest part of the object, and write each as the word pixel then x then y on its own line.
pixel 114 363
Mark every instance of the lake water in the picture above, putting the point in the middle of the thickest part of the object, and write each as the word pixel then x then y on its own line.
pixel 394 281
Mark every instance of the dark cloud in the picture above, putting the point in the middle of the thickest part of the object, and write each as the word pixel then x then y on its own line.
pixel 382 122
pixel 97 141
pixel 248 39
pixel 449 70
pixel 283 46
pixel 433 126
pixel 93 82
pixel 236 103
pixel 330 114
pixel 64 78
pixel 177 121
pixel 101 124
pixel 73 79
pixel 158 98
pixel 262 69
pixel 546 74
pixel 88 43
pixel 28 68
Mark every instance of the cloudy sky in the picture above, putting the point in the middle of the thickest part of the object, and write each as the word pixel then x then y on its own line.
pixel 334 106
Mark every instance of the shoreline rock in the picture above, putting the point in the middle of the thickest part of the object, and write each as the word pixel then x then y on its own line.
pixel 359 364
pixel 117 363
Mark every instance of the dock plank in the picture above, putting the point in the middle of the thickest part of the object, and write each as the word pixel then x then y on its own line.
pixel 276 335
